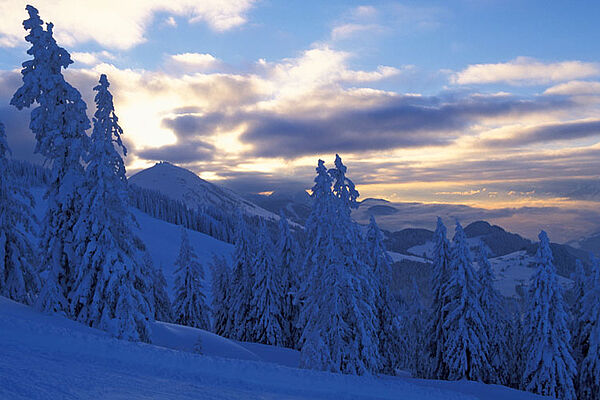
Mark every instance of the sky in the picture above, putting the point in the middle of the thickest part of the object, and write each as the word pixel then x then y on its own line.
pixel 488 103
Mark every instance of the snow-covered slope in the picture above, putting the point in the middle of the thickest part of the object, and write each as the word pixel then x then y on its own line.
pixel 50 357
pixel 182 184
pixel 163 239
pixel 511 270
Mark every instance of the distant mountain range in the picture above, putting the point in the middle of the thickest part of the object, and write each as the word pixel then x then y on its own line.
pixel 184 185
pixel 413 241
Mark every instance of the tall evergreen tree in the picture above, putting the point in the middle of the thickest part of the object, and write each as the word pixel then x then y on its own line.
pixel 59 123
pixel 387 307
pixel 514 350
pixel 163 310
pixel 549 366
pixel 339 320
pixel 18 277
pixel 106 244
pixel 242 282
pixel 466 350
pixel 221 287
pixel 495 321
pixel 588 382
pixel 287 254
pixel 415 358
pixel 189 306
pixel 267 294
pixel 440 274
pixel 580 285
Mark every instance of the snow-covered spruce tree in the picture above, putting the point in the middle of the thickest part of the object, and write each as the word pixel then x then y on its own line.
pixel 438 368
pixel 413 325
pixel 189 306
pixel 387 307
pixel 220 295
pixel 18 278
pixel 287 254
pixel 549 366
pixel 580 286
pixel 496 323
pixel 466 347
pixel 163 310
pixel 514 350
pixel 338 318
pixel 242 282
pixel 267 294
pixel 318 231
pixel 588 382
pixel 111 258
pixel 59 123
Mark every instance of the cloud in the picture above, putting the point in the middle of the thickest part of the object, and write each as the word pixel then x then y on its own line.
pixel 92 58
pixel 346 31
pixel 547 133
pixel 114 23
pixel 525 71
pixel 395 122
pixel 575 88
pixel 195 61
pixel 180 153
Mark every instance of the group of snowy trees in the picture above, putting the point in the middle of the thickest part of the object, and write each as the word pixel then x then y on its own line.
pixel 328 295
pixel 474 333
pixel 253 298
pixel 90 262
pixel 331 300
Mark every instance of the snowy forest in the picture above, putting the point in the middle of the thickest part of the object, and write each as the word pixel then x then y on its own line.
pixel 322 289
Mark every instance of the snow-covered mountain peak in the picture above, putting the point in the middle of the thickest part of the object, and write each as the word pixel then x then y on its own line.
pixel 184 185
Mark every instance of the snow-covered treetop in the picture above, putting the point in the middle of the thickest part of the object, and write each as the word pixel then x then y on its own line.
pixel 48 59
pixel 343 187
pixel 105 114
pixel 460 250
pixel 60 121
pixel 544 252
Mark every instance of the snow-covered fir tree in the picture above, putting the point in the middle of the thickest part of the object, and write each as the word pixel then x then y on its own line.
pixel 495 321
pixel 18 277
pixel 388 308
pixel 287 253
pixel 549 366
pixel 466 350
pixel 163 310
pixel 338 317
pixel 106 246
pixel 242 282
pixel 59 123
pixel 267 294
pixel 588 381
pixel 413 324
pixel 439 276
pixel 580 286
pixel 514 350
pixel 189 306
pixel 220 295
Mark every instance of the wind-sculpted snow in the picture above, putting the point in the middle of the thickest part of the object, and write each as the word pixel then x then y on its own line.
pixel 50 357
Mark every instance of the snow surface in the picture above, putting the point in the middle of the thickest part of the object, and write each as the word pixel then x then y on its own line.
pixel 397 257
pixel 50 357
